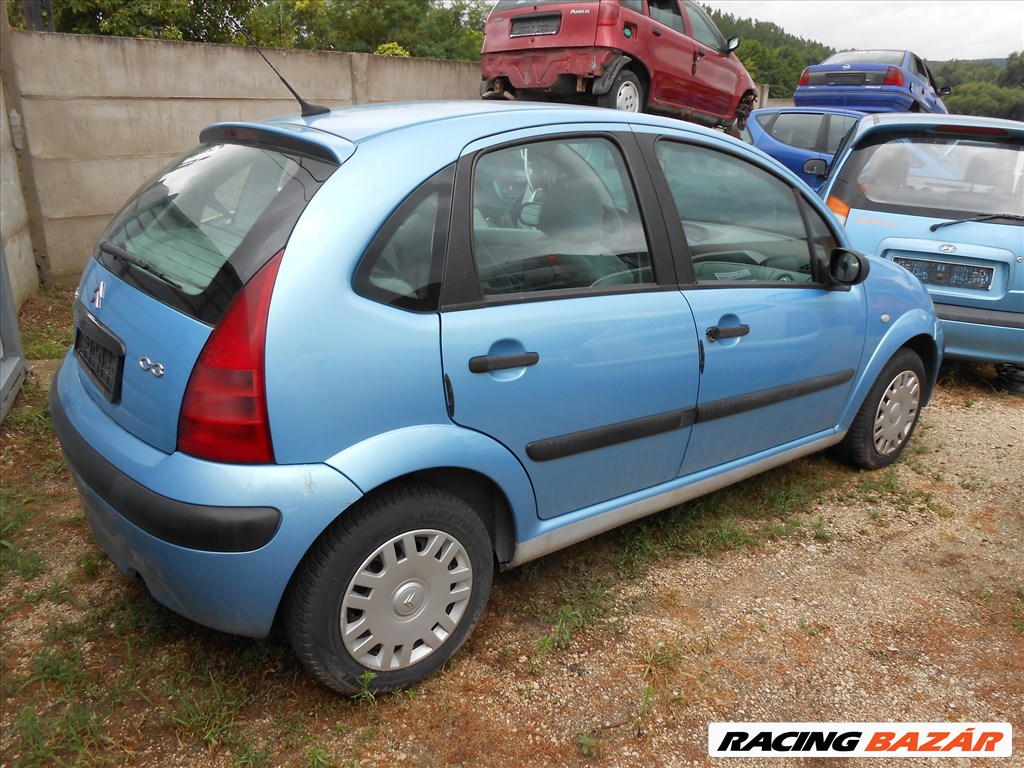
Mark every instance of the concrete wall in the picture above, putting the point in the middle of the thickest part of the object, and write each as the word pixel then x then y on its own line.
pixel 99 115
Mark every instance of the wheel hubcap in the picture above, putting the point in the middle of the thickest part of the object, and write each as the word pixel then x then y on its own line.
pixel 628 98
pixel 406 599
pixel 896 413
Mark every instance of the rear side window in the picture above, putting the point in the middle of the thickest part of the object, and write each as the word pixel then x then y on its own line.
pixel 797 129
pixel 207 223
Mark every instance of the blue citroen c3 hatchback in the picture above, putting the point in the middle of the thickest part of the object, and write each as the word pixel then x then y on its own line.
pixel 334 369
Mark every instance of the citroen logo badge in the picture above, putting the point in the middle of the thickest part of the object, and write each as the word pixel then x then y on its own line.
pixel 98 294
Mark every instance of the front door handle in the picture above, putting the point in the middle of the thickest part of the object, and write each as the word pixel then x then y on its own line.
pixel 728 332
pixel 488 363
pixel 656 32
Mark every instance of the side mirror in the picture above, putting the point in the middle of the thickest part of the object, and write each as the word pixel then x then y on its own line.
pixel 846 269
pixel 529 214
pixel 816 167
pixel 945 90
pixel 734 43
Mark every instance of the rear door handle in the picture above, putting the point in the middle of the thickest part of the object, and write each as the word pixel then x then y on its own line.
pixel 728 332
pixel 488 363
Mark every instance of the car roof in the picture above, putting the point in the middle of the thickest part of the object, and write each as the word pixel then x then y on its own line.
pixel 811 110
pixel 890 121
pixel 465 121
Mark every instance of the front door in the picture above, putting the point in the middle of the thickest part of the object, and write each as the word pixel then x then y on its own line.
pixel 780 350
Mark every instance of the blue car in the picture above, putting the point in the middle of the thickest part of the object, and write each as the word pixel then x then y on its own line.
pixel 871 81
pixel 942 196
pixel 333 369
pixel 795 135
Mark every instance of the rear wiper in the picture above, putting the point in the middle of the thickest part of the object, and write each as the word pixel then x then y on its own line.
pixel 983 217
pixel 118 252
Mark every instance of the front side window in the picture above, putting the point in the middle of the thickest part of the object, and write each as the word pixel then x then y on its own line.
pixel 797 129
pixel 704 30
pixel 742 224
pixel 555 216
pixel 933 174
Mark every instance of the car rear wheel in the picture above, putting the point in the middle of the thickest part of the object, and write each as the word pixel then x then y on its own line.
pixel 625 95
pixel 390 591
pixel 887 418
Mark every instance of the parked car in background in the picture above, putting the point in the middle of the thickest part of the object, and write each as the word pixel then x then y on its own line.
pixel 942 196
pixel 338 386
pixel 794 135
pixel 635 55
pixel 871 81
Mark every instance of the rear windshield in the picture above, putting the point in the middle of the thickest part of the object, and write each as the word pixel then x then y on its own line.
pixel 507 5
pixel 934 175
pixel 894 58
pixel 196 232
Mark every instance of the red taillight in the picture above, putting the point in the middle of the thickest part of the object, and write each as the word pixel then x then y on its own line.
pixel 893 76
pixel 224 411
pixel 805 77
pixel 608 13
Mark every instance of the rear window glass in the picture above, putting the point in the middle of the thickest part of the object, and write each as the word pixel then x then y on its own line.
pixel 866 57
pixel 206 224
pixel 508 5
pixel 934 175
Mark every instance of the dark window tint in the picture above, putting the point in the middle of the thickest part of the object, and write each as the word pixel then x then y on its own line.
pixel 667 12
pixel 797 129
pixel 704 29
pixel 210 221
pixel 557 215
pixel 402 266
pixel 838 127
pixel 742 224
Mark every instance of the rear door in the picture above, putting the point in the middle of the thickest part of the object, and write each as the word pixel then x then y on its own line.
pixel 563 335
pixel 672 56
pixel 715 72
pixel 780 352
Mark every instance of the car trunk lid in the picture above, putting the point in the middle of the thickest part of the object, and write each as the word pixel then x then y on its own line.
pixel 175 260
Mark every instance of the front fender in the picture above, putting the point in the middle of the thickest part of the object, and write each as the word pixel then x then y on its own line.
pixel 899 311
pixel 374 462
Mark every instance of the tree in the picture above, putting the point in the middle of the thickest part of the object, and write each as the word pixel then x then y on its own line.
pixel 987 100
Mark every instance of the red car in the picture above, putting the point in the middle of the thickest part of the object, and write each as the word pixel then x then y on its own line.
pixel 635 55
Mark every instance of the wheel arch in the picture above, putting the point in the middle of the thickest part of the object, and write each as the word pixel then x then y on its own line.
pixel 472 466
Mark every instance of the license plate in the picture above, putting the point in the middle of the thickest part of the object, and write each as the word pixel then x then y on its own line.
pixel 954 275
pixel 101 355
pixel 534 25
pixel 846 78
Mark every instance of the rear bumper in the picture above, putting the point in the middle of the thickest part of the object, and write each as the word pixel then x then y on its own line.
pixel 982 335
pixel 864 98
pixel 217 544
pixel 541 69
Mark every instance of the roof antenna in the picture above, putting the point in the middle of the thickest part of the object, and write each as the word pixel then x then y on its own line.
pixel 308 110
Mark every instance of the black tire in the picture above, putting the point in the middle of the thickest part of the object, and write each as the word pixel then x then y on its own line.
pixel 405 615
pixel 626 93
pixel 888 416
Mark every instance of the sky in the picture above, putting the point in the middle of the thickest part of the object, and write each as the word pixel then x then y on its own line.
pixel 936 30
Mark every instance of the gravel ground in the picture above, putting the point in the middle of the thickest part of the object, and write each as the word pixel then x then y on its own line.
pixel 899 598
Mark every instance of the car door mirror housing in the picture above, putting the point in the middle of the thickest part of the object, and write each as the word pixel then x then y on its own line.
pixel 816 167
pixel 734 43
pixel 847 268
pixel 945 90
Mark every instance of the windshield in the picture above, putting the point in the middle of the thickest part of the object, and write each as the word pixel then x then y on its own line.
pixel 935 175
pixel 198 231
